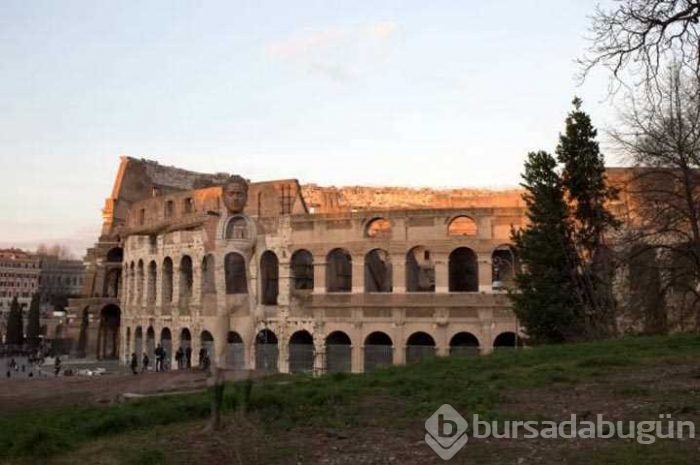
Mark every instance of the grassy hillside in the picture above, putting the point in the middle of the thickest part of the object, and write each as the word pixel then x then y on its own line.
pixel 379 417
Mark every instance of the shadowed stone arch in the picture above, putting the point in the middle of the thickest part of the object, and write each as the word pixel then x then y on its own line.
pixel 266 351
pixel 464 344
pixel 301 352
pixel 379 351
pixel 463 270
pixel 338 352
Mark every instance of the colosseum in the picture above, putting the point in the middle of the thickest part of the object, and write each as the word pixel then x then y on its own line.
pixel 277 276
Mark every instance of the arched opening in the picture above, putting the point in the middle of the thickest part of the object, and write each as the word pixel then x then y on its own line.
pixel 112 282
pixel 237 228
pixel 338 271
pixel 379 351
pixel 378 271
pixel 379 228
pixel 235 351
pixel 504 266
pixel 269 278
pixel 266 351
pixel 151 345
pixel 186 278
pixel 108 333
pixel 301 352
pixel 59 331
pixel 133 283
pixel 186 345
pixel 167 284
pixel 463 270
pixel 206 351
pixel 419 346
pixel 140 279
pixel 462 226
pixel 166 343
pixel 138 342
pixel 115 255
pixel 420 270
pixel 464 344
pixel 302 267
pixel 235 270
pixel 151 283
pixel 338 353
pixel 128 341
pixel 208 275
pixel 506 340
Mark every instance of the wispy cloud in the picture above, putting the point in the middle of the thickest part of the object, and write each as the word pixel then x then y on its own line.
pixel 336 52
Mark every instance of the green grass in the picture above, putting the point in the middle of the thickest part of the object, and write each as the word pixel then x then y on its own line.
pixel 474 385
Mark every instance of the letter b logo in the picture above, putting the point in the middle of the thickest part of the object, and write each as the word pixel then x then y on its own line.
pixel 446 432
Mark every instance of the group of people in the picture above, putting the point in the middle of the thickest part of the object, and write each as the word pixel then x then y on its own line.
pixel 183 358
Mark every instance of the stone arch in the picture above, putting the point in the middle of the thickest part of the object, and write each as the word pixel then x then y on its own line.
pixel 133 283
pixel 235 351
pixel 235 271
pixel 507 340
pixel 463 270
pixel 167 280
pixel 127 347
pixel 206 344
pixel 151 344
pixel 462 225
pixel 108 332
pixel 301 352
pixel 151 282
pixel 504 266
pixel 269 278
pixel 378 271
pixel 208 284
pixel 420 270
pixel 339 271
pixel 186 344
pixel 186 277
pixel 236 228
pixel 379 228
pixel 338 353
pixel 464 344
pixel 115 255
pixel 138 342
pixel 419 346
pixel 112 282
pixel 266 351
pixel 166 342
pixel 379 351
pixel 140 281
pixel 302 268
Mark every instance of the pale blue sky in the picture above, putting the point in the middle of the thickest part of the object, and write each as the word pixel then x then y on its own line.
pixel 439 93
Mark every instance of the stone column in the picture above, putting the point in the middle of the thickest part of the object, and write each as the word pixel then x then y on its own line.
pixel 358 275
pixel 485 272
pixel 320 277
pixel 442 276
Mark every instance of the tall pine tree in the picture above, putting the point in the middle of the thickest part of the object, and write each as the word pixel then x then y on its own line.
pixel 33 321
pixel 545 302
pixel 587 193
pixel 15 330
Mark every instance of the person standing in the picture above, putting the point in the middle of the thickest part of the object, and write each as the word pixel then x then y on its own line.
pixel 134 363
pixel 188 356
pixel 144 362
pixel 179 355
pixel 57 366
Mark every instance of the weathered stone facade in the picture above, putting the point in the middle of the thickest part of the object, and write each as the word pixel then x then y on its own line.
pixel 277 287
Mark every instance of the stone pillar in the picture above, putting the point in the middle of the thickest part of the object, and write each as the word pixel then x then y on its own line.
pixel 358 275
pixel 442 275
pixel 319 277
pixel 485 272
pixel 284 283
pixel 487 325
pixel 398 271
pixel 220 334
pixel 176 284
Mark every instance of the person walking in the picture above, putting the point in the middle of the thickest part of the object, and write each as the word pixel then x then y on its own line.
pixel 57 366
pixel 159 358
pixel 179 355
pixel 144 362
pixel 188 356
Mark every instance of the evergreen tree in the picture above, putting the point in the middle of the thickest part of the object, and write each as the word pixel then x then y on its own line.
pixel 587 193
pixel 33 321
pixel 545 302
pixel 15 331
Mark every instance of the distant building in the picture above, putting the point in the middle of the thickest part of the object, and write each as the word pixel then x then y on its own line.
pixel 59 280
pixel 19 276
